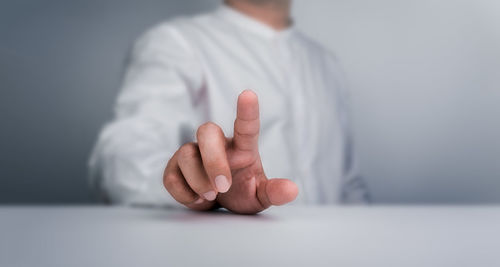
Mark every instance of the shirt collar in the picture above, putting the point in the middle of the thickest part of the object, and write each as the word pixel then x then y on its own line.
pixel 248 23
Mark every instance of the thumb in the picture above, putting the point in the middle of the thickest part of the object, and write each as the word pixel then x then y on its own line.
pixel 276 192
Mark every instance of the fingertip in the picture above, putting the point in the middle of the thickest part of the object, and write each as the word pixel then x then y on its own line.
pixel 247 93
pixel 248 105
pixel 209 130
pixel 281 191
pixel 199 201
pixel 222 183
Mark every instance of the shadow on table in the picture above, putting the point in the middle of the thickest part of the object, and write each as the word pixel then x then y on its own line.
pixel 219 215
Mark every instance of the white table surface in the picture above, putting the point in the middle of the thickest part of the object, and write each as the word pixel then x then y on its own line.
pixel 281 236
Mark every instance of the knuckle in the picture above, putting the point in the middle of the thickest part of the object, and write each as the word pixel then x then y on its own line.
pixel 170 181
pixel 216 165
pixel 170 164
pixel 189 151
pixel 208 127
pixel 176 187
pixel 246 128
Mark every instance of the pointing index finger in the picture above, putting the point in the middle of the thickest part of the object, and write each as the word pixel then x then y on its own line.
pixel 247 123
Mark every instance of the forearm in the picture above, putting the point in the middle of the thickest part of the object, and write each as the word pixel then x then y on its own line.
pixel 128 161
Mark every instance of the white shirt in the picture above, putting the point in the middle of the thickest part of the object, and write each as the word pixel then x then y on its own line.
pixel 188 71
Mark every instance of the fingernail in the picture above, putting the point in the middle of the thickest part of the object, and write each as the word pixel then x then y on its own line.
pixel 210 195
pixel 199 201
pixel 222 183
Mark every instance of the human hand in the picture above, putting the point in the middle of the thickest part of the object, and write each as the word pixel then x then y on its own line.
pixel 227 171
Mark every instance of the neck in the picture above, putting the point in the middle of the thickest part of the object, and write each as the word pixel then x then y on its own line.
pixel 275 13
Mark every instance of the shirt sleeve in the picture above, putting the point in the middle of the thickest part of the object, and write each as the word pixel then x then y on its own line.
pixel 156 111
pixel 353 187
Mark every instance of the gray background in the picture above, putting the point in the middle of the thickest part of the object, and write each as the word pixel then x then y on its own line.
pixel 425 78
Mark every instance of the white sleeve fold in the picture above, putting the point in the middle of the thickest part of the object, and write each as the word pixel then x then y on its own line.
pixel 155 113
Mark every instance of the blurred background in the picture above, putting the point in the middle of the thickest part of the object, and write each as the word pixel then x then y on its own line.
pixel 424 78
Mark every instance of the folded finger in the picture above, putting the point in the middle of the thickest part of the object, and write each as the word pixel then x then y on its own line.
pixel 212 146
pixel 191 166
pixel 176 185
